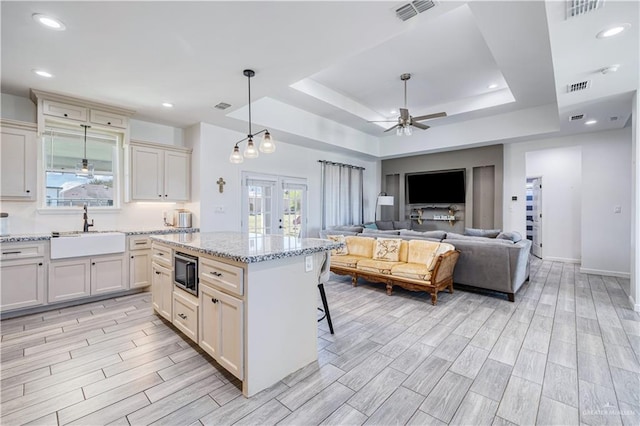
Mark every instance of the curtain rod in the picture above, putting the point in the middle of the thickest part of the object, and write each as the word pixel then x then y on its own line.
pixel 341 164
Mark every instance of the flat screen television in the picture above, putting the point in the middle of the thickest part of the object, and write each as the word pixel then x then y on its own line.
pixel 436 187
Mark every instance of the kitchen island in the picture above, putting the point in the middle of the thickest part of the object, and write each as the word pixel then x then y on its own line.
pixel 255 308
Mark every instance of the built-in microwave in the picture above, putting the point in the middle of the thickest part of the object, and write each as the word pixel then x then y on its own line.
pixel 186 272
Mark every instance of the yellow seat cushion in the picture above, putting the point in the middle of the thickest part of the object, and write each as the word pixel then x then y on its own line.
pixel 348 260
pixel 377 266
pixel 414 271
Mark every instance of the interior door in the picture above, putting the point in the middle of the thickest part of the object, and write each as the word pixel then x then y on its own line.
pixel 536 216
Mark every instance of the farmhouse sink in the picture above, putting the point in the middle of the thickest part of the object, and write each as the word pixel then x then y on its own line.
pixel 76 244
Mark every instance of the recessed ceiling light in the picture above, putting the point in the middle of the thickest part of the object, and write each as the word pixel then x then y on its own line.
pixel 49 22
pixel 492 86
pixel 613 30
pixel 43 73
pixel 167 104
pixel 590 122
pixel 393 111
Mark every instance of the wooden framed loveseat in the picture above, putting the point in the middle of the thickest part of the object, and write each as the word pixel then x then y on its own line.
pixel 417 265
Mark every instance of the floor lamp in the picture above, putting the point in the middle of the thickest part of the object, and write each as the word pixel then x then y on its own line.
pixel 382 200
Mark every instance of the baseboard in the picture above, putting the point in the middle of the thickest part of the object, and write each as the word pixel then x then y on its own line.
pixel 606 273
pixel 636 306
pixel 560 259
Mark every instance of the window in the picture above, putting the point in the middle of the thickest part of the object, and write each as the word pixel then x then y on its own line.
pixel 64 184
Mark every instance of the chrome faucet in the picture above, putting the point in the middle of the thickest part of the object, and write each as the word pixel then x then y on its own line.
pixel 86 226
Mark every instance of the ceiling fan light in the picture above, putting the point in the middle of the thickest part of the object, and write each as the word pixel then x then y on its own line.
pixel 250 151
pixel 267 145
pixel 399 131
pixel 408 131
pixel 236 157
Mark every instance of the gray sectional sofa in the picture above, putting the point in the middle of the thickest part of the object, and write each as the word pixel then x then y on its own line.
pixel 489 259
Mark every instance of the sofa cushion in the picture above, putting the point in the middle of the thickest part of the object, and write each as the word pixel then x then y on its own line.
pixel 401 224
pixel 360 246
pixel 511 236
pixel 377 266
pixel 454 236
pixel 347 261
pixel 374 232
pixel 370 225
pixel 387 249
pixel 436 235
pixel 416 271
pixel 326 232
pixel 384 225
pixel 348 228
pixel 422 252
pixel 476 232
pixel 342 251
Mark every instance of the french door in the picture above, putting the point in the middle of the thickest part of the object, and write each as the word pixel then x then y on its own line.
pixel 274 205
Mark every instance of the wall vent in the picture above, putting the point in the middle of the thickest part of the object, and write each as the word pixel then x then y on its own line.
pixel 410 10
pixel 582 7
pixel 222 105
pixel 576 87
pixel 576 117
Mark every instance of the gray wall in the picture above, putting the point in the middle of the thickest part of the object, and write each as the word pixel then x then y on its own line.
pixel 461 159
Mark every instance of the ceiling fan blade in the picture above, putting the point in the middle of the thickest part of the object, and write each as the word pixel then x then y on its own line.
pixel 430 116
pixel 404 114
pixel 391 128
pixel 382 121
pixel 419 125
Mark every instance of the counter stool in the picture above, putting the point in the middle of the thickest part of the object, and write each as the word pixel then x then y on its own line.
pixel 323 278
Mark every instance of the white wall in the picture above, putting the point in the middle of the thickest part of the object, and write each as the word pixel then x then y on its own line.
pixel 634 294
pixel 605 157
pixel 289 160
pixel 561 172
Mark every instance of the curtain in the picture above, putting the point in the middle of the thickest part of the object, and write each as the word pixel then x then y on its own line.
pixel 342 194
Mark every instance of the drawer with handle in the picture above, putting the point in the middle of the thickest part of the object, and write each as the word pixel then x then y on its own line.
pixel 21 250
pixel 139 243
pixel 222 275
pixel 185 314
pixel 161 255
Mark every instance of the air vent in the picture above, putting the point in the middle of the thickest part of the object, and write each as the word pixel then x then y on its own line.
pixel 576 87
pixel 410 10
pixel 576 117
pixel 582 7
pixel 222 105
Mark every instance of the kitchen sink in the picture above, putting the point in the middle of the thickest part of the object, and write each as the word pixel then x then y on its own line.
pixel 76 244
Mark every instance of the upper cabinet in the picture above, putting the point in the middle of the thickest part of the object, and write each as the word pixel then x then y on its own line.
pixel 159 173
pixel 64 109
pixel 18 156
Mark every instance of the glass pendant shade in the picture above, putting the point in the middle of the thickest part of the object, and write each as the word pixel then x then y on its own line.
pixel 236 157
pixel 408 131
pixel 84 169
pixel 267 145
pixel 250 151
pixel 399 131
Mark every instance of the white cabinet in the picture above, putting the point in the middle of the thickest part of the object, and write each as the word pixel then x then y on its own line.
pixel 162 290
pixel 222 328
pixel 22 275
pixel 81 277
pixel 159 174
pixel 18 162
pixel 63 110
pixel 185 313
pixel 139 261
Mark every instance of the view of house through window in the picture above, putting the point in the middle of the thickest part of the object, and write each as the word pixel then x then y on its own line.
pixel 66 184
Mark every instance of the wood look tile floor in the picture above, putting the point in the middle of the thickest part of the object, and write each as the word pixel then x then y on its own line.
pixel 565 353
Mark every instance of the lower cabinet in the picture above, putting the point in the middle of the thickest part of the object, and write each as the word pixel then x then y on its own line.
pixel 82 277
pixel 185 314
pixel 162 290
pixel 221 328
pixel 140 268
pixel 23 283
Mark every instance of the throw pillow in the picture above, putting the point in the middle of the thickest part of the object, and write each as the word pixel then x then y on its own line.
pixel 370 225
pixel 384 225
pixel 387 249
pixel 401 224
pixel 341 251
pixel 511 236
pixel 487 233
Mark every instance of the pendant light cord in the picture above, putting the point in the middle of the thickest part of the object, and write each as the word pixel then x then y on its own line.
pixel 249 83
pixel 85 139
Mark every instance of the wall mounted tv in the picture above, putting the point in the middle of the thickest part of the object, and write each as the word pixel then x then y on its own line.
pixel 436 187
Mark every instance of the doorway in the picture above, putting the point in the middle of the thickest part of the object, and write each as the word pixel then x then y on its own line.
pixel 534 214
pixel 274 205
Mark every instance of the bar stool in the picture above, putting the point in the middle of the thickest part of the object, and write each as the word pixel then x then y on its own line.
pixel 323 278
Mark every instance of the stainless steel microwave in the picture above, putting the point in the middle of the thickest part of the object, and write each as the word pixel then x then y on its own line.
pixel 186 272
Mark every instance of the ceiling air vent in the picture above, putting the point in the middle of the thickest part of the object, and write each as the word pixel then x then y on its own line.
pixel 576 117
pixel 581 7
pixel 222 105
pixel 410 10
pixel 576 87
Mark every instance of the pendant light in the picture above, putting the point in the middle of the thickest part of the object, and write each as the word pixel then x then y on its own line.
pixel 84 168
pixel 267 145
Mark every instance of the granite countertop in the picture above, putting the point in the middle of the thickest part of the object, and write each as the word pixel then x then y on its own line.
pixel 247 248
pixel 16 238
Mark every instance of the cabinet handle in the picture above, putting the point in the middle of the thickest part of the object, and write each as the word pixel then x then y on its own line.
pixel 214 300
pixel 140 242
pixel 40 264
pixel 28 191
pixel 183 316
pixel 109 123
pixel 160 195
pixel 217 274
pixel 157 272
pixel 93 263
pixel 66 115
pixel 11 252
pixel 160 254
pixel 165 195
pixel 132 257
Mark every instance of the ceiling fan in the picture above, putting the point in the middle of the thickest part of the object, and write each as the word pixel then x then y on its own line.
pixel 406 121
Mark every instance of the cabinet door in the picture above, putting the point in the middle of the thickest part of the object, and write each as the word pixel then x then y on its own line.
pixel 222 329
pixel 22 283
pixel 185 314
pixel 69 279
pixel 109 119
pixel 162 290
pixel 107 274
pixel 146 174
pixel 177 176
pixel 59 109
pixel 18 161
pixel 139 268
